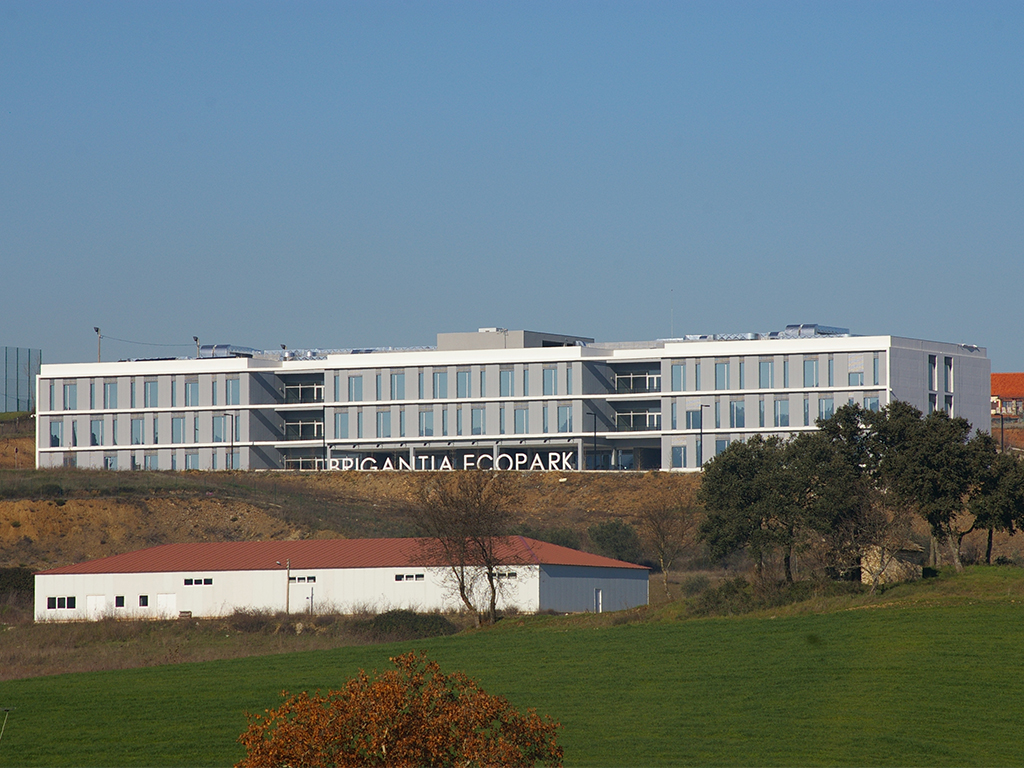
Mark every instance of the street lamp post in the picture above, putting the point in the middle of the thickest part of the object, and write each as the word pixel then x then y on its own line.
pixel 700 440
pixel 594 451
pixel 98 337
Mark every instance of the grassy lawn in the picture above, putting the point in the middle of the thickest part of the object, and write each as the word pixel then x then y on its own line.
pixel 907 684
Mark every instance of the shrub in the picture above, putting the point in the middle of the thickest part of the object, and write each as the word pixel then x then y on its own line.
pixel 731 597
pixel 694 585
pixel 407 625
pixel 617 540
pixel 250 621
pixel 411 716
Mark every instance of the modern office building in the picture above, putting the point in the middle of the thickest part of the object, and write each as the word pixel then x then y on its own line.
pixel 495 398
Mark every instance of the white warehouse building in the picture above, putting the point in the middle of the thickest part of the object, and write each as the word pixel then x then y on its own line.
pixel 492 399
pixel 345 575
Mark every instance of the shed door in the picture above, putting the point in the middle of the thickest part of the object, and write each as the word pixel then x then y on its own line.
pixel 597 601
pixel 167 604
pixel 95 606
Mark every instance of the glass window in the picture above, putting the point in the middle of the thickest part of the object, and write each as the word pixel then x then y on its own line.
pixel 337 388
pixel 213 390
pixel 422 383
pixel 807 411
pixel 444 422
pixel 526 382
pixel 718 414
pixel 195 429
pixel 383 423
pixel 149 461
pixel 721 375
pixel 522 421
pixel 178 429
pixel 720 446
pixel 150 394
pixel 137 427
pixel 398 386
pixel 505 383
pixel 462 384
pixel 760 412
pixel 380 387
pixel 131 403
pixel 782 413
pixel 678 457
pixel 56 433
pixel 766 374
pixel 737 418
pixel 458 420
pixel 401 423
pixel 947 374
pixel 874 370
pixel 218 429
pixel 341 425
pixel 743 375
pixel 477 421
pixel 113 430
pixel 96 432
pixel 191 393
pixel 70 397
pixel 156 430
pixel 119 601
pixel 355 389
pixel 174 393
pixel 359 424
pixel 483 384
pixel 426 423
pixel 232 392
pixel 545 424
pixel 785 374
pixel 678 374
pixel 192 460
pixel 826 408
pixel 871 403
pixel 74 433
pixel 693 419
pixel 110 394
pixel 568 379
pixel 440 385
pixel 696 376
pixel 932 363
pixel 811 373
pixel 550 381
pixel 675 415
pixel 143 601
pixel 110 462
pixel 92 395
pixel 565 418
pixel 501 420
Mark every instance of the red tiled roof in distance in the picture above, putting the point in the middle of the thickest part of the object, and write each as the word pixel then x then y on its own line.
pixel 1008 385
pixel 314 554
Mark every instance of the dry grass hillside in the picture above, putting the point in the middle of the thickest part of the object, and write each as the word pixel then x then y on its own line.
pixel 56 517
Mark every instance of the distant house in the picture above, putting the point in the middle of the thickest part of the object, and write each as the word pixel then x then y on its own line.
pixel 215 579
pixel 1007 395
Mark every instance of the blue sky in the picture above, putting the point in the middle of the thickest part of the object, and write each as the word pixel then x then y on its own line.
pixel 362 174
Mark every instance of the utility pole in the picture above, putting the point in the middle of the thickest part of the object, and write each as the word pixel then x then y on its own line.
pixel 98 337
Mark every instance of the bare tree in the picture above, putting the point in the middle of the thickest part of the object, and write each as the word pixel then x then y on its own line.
pixel 465 516
pixel 668 529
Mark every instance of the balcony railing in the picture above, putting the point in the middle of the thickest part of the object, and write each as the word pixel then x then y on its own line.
pixel 303 430
pixel 637 383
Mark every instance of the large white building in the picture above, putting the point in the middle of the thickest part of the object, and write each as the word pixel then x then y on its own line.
pixel 317 575
pixel 493 399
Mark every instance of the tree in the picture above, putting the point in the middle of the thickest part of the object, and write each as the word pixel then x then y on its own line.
pixel 413 715
pixel 999 506
pixel 617 540
pixel 668 528
pixel 464 516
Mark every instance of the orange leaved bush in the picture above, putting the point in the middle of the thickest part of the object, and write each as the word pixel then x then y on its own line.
pixel 413 715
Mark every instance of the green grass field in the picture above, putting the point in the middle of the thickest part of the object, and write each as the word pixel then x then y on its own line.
pixel 932 677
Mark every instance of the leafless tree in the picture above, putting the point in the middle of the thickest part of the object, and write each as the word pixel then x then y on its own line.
pixel 464 517
pixel 669 529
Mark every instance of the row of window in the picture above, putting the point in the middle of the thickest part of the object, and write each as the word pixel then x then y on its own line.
pixel 780 413
pixel 933 373
pixel 69 603
pixel 150 460
pixel 225 428
pixel 434 385
pixel 766 370
pixel 198 582
pixel 518 424
pixel 150 394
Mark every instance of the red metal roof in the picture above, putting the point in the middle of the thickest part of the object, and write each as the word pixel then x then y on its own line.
pixel 313 554
pixel 1008 385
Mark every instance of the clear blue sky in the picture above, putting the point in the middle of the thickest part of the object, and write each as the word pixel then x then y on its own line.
pixel 362 174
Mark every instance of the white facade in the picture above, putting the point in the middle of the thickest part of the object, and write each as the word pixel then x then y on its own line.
pixel 491 399
pixel 100 589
